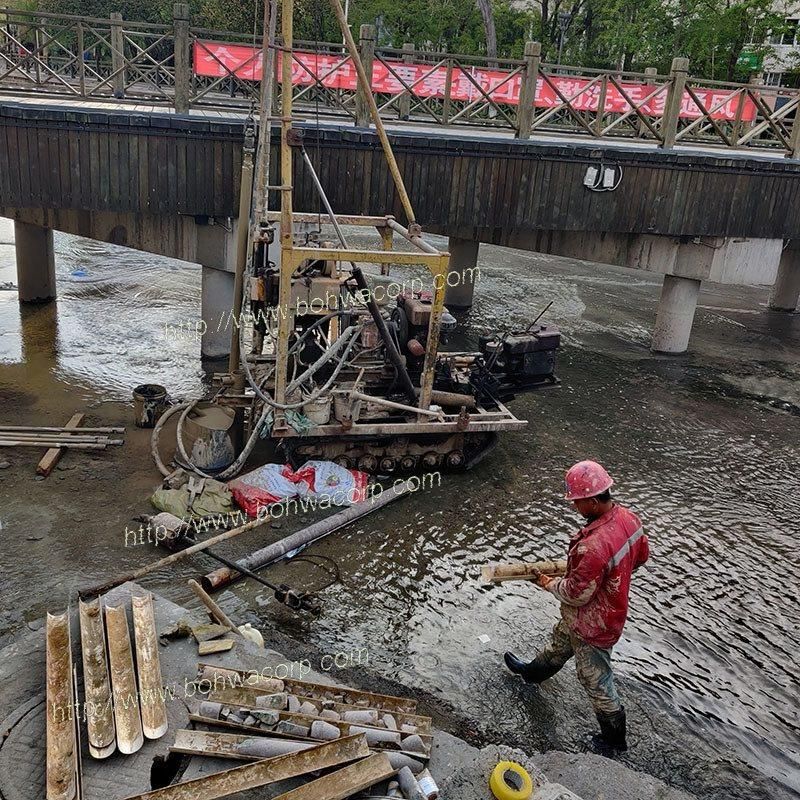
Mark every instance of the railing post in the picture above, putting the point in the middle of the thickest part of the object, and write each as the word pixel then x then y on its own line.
pixel 448 90
pixel 527 91
pixel 81 63
pixel 404 106
pixel 367 37
pixel 601 106
pixel 794 138
pixel 117 54
pixel 183 57
pixel 650 72
pixel 672 109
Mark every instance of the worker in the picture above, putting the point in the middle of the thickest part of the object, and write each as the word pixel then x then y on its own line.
pixel 594 599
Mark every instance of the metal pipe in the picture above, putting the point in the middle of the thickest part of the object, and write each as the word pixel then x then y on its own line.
pixel 301 539
pixel 391 348
pixel 416 240
pixel 390 403
pixel 373 110
pixel 242 238
pixel 264 117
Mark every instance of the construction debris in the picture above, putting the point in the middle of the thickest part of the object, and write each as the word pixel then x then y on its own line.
pixel 214 646
pixel 62 751
pixel 127 717
pixel 151 698
pixel 97 683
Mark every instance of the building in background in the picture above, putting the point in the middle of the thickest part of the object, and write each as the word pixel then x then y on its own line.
pixel 781 65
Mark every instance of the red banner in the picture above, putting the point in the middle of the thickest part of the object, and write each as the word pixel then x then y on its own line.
pixel 216 59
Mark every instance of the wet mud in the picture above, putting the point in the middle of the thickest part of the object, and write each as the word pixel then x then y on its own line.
pixel 704 447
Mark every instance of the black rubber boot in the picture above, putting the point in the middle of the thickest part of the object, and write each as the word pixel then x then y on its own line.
pixel 531 671
pixel 612 737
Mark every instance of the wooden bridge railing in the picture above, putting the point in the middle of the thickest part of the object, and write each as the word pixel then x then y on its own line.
pixel 185 67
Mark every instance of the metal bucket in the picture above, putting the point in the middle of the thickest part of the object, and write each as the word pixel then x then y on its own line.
pixel 206 437
pixel 318 411
pixel 149 403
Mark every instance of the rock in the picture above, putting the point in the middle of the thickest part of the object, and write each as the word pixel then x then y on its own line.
pixel 414 744
pixel 5 464
pixel 276 701
pixel 411 729
pixel 324 730
pixel 268 718
pixel 365 717
pixel 400 760
pixel 38 477
pixel 389 722
pixel 309 709
pixel 293 704
pixel 34 538
pixel 330 715
pixel 291 728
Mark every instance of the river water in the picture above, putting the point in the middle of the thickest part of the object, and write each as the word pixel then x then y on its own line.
pixel 704 447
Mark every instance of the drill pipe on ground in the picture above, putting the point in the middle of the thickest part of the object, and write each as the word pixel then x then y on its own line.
pixel 220 578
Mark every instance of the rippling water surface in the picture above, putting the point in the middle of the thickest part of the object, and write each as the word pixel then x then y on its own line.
pixel 704 447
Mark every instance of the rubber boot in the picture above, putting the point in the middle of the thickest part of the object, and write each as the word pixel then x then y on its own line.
pixel 612 737
pixel 534 671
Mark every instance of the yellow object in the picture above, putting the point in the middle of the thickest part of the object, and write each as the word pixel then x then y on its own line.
pixel 509 781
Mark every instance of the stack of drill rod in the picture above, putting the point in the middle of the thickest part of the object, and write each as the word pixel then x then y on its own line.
pixel 74 438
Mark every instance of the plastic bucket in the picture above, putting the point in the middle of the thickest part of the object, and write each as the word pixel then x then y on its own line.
pixel 318 411
pixel 149 403
pixel 206 437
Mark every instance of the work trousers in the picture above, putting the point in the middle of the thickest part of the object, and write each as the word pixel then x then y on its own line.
pixel 593 665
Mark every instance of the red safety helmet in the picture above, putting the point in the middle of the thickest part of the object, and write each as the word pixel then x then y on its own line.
pixel 587 479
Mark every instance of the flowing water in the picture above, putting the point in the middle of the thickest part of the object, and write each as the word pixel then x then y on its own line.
pixel 704 447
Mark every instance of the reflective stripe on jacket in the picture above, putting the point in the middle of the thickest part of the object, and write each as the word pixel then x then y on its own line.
pixel 594 591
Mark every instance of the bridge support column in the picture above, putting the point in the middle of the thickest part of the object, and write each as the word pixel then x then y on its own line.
pixel 786 291
pixel 36 265
pixel 217 313
pixel 462 272
pixel 675 314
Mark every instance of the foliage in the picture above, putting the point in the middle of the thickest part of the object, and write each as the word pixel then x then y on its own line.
pixel 616 34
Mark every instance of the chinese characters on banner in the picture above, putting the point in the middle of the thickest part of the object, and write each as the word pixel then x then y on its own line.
pixel 217 60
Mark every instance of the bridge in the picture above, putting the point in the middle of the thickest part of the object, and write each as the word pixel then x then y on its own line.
pixel 132 134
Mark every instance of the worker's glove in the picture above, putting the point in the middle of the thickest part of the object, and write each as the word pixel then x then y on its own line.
pixel 544 581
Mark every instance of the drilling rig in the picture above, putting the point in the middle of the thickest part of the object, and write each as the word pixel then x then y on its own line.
pixel 323 368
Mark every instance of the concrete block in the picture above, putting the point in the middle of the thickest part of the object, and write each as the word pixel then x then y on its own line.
pixel 554 791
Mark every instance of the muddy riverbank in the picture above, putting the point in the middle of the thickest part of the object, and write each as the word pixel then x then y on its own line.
pixel 704 447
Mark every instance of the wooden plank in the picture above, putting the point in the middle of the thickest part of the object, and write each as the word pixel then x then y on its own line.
pixel 214 646
pixel 85 169
pixel 261 773
pixel 143 145
pixel 52 456
pixel 344 782
pixel 115 168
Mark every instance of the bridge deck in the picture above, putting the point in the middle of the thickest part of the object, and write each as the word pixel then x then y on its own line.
pixel 460 132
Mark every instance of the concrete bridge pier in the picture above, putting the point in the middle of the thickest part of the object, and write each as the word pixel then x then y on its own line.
pixel 36 266
pixel 217 313
pixel 675 315
pixel 786 290
pixel 216 252
pixel 463 270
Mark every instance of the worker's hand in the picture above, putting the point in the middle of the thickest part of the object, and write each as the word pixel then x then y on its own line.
pixel 544 581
